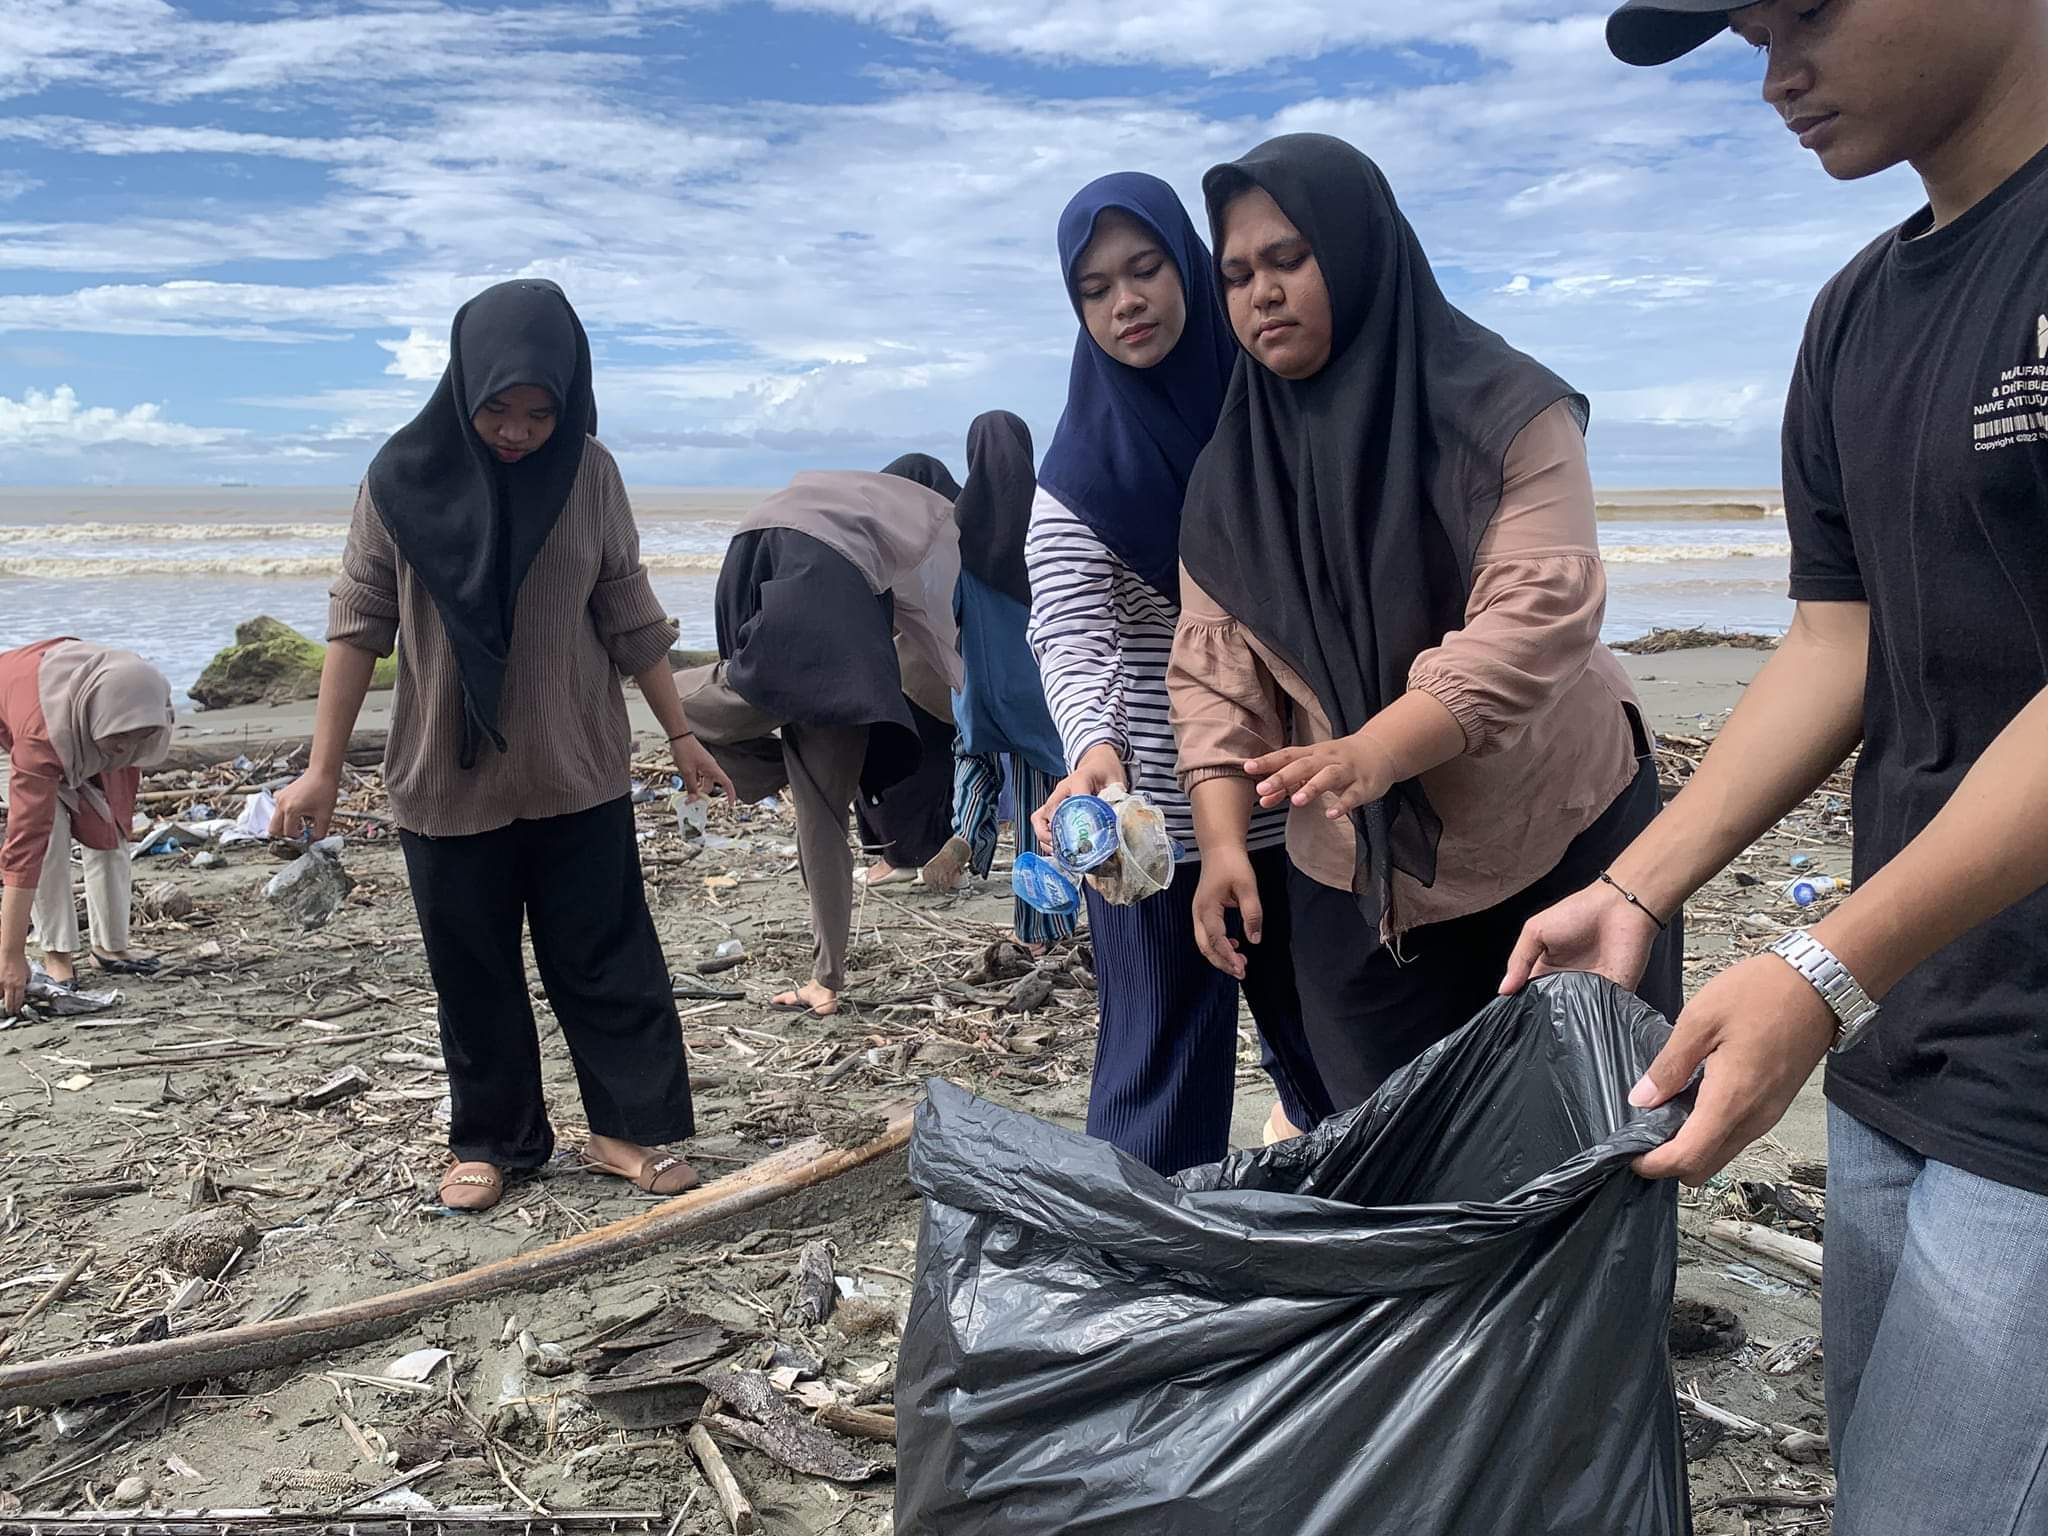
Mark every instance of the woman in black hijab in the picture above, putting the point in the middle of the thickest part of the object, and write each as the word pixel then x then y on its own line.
pixel 1000 705
pixel 493 546
pixel 1392 605
pixel 905 825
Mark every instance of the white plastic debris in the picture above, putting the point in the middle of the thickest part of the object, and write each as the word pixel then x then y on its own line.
pixel 259 811
pixel 418 1365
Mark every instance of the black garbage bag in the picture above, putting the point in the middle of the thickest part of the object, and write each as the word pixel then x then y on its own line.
pixel 1442 1314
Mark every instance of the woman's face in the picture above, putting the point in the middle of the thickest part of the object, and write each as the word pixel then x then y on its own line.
pixel 516 422
pixel 1273 288
pixel 1130 291
pixel 122 746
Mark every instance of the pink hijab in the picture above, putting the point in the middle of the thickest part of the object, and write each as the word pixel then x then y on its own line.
pixel 91 694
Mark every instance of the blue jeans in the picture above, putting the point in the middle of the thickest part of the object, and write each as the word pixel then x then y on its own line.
pixel 1935 1316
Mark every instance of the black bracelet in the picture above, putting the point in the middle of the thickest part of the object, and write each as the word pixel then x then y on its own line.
pixel 1631 898
pixel 680 736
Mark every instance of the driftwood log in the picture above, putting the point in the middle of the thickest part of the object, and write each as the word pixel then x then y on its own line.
pixel 732 1503
pixel 283 1341
pixel 1796 1252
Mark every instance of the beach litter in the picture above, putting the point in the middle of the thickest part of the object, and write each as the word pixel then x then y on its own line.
pixel 59 999
pixel 1116 841
pixel 311 889
pixel 693 821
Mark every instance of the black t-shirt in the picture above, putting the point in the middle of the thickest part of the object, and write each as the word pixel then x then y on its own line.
pixel 1916 478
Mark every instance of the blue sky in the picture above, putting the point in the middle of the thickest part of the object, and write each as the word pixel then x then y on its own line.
pixel 819 232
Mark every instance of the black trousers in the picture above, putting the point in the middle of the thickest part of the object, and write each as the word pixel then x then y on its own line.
pixel 910 821
pixel 576 881
pixel 1166 1054
pixel 1369 1015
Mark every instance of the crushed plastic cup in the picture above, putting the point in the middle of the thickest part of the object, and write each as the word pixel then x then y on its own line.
pixel 1044 886
pixel 1084 834
pixel 730 949
pixel 1144 850
pixel 693 816
pixel 1143 863
pixel 693 821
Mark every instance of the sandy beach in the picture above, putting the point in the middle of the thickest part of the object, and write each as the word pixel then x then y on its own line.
pixel 214 1081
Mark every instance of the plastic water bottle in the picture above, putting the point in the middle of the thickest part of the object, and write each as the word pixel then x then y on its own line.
pixel 1809 889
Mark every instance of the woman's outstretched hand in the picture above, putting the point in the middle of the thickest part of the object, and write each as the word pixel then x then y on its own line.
pixel 1348 772
pixel 700 770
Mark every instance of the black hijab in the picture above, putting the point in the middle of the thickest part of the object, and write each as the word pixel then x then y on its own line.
pixel 468 525
pixel 927 472
pixel 1338 516
pixel 994 510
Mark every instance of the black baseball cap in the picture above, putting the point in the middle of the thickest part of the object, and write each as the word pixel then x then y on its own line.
pixel 1658 31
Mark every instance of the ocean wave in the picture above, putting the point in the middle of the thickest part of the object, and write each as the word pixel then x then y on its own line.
pixel 1676 554
pixel 168 533
pixel 87 568
pixel 1689 511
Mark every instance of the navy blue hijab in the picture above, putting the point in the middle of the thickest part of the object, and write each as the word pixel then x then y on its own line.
pixel 1129 437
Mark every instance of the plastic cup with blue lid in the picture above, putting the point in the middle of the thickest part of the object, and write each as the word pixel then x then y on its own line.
pixel 1044 886
pixel 1084 832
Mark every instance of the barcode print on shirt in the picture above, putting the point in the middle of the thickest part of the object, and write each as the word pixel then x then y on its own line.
pixel 1103 637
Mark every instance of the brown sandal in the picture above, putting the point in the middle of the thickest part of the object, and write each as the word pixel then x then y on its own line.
pixel 471 1186
pixel 661 1173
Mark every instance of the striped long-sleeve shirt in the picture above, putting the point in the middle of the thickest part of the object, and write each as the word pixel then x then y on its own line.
pixel 1103 638
pixel 584 617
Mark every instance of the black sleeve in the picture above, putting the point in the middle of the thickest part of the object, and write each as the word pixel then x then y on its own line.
pixel 1824 568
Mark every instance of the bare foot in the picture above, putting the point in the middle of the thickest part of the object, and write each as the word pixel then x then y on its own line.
pixel 881 872
pixel 657 1173
pixel 947 870
pixel 820 1000
pixel 60 968
pixel 1279 1128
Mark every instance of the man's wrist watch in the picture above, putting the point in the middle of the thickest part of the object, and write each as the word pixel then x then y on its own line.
pixel 1841 991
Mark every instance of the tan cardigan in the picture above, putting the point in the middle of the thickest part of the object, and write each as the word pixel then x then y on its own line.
pixel 585 616
pixel 1547 747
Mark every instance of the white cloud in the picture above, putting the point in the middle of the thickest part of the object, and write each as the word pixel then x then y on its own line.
pixel 419 354
pixel 1729 405
pixel 1219 35
pixel 772 279
pixel 56 420
pixel 1606 185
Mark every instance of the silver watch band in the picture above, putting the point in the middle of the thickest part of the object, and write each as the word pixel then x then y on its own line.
pixel 1844 995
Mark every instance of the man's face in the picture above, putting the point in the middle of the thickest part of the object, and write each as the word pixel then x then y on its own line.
pixel 1867 84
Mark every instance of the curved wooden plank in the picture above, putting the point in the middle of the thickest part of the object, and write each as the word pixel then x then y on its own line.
pixel 256 1346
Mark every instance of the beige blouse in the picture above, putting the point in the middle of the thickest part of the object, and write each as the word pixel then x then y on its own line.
pixel 585 616
pixel 1547 747
pixel 902 538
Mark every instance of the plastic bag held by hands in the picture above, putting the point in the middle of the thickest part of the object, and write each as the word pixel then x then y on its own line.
pixel 312 888
pixel 1442 1314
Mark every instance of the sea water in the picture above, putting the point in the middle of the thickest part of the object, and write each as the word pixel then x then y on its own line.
pixel 169 573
